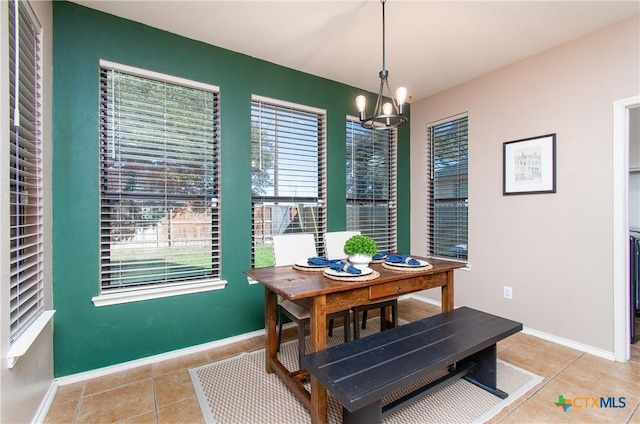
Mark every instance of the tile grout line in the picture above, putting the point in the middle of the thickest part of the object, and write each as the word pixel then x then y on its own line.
pixel 635 410
pixel 155 397
pixel 79 405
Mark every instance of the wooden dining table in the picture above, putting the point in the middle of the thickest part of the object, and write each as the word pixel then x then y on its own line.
pixel 324 296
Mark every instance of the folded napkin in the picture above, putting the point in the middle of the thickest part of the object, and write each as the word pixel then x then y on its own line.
pixel 344 266
pixel 402 259
pixel 320 261
pixel 379 256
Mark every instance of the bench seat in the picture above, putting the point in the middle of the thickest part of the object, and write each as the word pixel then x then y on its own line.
pixel 360 373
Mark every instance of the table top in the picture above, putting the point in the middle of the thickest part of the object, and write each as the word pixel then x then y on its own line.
pixel 294 284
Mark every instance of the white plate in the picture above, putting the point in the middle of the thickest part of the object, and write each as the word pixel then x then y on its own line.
pixel 306 264
pixel 404 265
pixel 335 273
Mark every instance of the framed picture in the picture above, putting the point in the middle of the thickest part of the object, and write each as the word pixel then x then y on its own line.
pixel 529 165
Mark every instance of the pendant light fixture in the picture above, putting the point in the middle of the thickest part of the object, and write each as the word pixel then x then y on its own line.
pixel 386 114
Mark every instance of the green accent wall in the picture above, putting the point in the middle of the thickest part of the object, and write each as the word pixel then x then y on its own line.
pixel 88 337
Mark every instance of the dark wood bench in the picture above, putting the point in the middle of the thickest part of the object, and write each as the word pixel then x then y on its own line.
pixel 360 373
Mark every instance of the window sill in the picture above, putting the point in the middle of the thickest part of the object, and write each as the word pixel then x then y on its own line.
pixel 467 264
pixel 156 292
pixel 26 339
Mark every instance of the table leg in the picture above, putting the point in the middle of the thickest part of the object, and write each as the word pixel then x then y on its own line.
pixel 318 339
pixel 447 293
pixel 270 327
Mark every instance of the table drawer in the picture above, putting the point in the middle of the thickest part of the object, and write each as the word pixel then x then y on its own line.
pixel 397 288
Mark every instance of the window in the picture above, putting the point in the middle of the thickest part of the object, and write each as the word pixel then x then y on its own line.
pixel 26 172
pixel 288 174
pixel 371 184
pixel 159 180
pixel 447 148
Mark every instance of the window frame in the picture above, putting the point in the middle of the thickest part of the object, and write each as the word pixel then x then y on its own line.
pixel 173 286
pixel 391 201
pixel 461 180
pixel 26 180
pixel 319 201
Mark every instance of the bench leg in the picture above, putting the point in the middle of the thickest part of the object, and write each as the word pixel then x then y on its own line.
pixel 369 414
pixel 485 374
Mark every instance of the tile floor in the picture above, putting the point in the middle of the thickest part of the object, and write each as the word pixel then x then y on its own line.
pixel 162 393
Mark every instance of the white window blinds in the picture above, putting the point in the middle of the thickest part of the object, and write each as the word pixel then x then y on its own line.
pixel 371 184
pixel 159 179
pixel 25 178
pixel 288 173
pixel 447 148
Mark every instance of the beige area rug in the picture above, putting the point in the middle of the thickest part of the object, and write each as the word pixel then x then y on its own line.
pixel 238 390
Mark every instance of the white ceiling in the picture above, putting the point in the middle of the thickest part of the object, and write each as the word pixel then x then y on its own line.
pixel 430 46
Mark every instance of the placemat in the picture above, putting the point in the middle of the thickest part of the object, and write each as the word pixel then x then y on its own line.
pixel 308 268
pixel 406 268
pixel 375 274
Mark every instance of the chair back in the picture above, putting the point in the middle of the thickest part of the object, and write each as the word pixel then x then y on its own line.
pixel 291 248
pixel 334 243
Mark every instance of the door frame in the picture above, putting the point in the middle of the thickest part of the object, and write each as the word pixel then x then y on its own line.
pixel 621 295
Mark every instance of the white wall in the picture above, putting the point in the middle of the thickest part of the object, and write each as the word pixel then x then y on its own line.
pixel 24 387
pixel 555 250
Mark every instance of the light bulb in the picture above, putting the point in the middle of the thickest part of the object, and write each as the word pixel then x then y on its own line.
pixel 387 108
pixel 361 102
pixel 401 95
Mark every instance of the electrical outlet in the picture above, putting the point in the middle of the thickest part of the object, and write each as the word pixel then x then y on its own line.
pixel 508 292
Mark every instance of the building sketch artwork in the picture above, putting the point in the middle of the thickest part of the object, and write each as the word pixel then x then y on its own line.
pixel 528 166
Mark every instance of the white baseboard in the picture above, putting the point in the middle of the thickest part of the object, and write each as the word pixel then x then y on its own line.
pixel 570 343
pixel 542 335
pixel 425 299
pixel 43 409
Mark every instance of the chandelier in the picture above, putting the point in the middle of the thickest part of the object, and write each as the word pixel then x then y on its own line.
pixel 386 115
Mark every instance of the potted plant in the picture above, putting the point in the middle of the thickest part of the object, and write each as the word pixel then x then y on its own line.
pixel 360 249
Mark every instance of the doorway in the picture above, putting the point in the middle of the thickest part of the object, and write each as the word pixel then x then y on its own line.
pixel 621 154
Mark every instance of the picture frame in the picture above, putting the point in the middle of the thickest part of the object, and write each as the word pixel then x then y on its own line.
pixel 529 165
